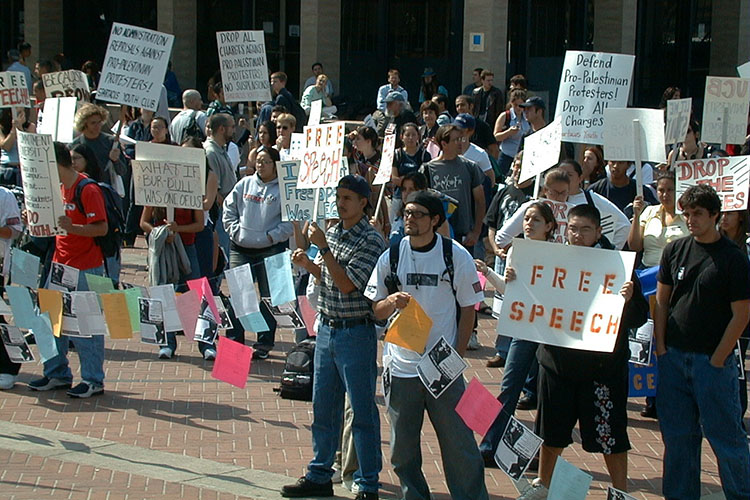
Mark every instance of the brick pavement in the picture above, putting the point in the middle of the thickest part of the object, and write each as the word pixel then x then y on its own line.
pixel 175 406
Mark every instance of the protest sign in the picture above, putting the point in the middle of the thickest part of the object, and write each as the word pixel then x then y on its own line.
pixel 14 92
pixel 591 82
pixel 640 342
pixel 541 150
pixel 678 119
pixel 386 161
pixel 619 135
pixel 115 307
pixel 206 327
pixel 321 161
pixel 478 408
pixel 298 203
pixel 232 362
pixel 440 367
pixel 285 315
pixel 167 184
pixel 134 66
pixel 63 277
pixel 151 319
pixel 280 281
pixel 203 289
pixel 725 107
pixel 70 83
pixel 244 70
pixel 410 329
pixel 642 378
pixel 59 114
pixel 517 447
pixel 163 152
pixel 166 294
pixel 730 177
pixel 316 110
pixel 744 70
pixel 244 299
pixel 89 314
pixel 41 184
pixel 297 146
pixel 566 296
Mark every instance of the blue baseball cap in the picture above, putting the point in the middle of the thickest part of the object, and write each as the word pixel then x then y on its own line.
pixel 355 183
pixel 395 95
pixel 465 121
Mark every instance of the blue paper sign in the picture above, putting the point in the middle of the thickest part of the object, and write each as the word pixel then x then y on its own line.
pixel 643 379
pixel 280 282
pixel 24 268
pixel 254 322
pixel 45 339
pixel 24 315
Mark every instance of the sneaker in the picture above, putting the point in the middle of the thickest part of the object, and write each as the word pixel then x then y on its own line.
pixel 305 488
pixel 526 403
pixel 650 412
pixel 366 495
pixel 48 384
pixel 336 478
pixel 7 381
pixel 166 353
pixel 535 491
pixel 260 353
pixel 496 361
pixel 473 342
pixel 349 484
pixel 209 354
pixel 85 390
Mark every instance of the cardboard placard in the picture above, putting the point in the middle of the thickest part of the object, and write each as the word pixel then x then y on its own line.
pixel 41 184
pixel 590 83
pixel 728 176
pixel 134 66
pixel 678 120
pixel 167 184
pixel 244 69
pixel 14 92
pixel 165 152
pixel 70 83
pixel 541 150
pixel 619 140
pixel 322 159
pixel 386 161
pixel 730 96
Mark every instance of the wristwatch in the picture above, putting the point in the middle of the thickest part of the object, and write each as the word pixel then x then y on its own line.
pixel 323 251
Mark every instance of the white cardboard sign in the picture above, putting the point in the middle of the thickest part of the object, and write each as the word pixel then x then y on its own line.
pixel 590 83
pixel 730 96
pixel 386 161
pixel 134 66
pixel 244 70
pixel 678 119
pixel 619 139
pixel 41 184
pixel 564 295
pixel 70 83
pixel 298 203
pixel 744 70
pixel 322 159
pixel 167 184
pixel 541 150
pixel 316 111
pixel 14 92
pixel 164 152
pixel 728 176
pixel 59 115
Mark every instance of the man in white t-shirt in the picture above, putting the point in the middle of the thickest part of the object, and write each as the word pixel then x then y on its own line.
pixel 423 274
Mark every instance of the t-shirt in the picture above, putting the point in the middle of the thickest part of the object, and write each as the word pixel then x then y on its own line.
pixel 705 278
pixel 456 178
pixel 406 164
pixel 504 204
pixel 433 293
pixel 73 250
pixel 478 156
pixel 623 196
pixel 656 235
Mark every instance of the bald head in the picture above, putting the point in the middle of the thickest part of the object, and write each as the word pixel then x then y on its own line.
pixel 191 99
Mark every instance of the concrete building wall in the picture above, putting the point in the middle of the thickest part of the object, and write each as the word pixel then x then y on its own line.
pixel 491 18
pixel 320 39
pixel 614 25
pixel 179 18
pixel 43 28
pixel 730 36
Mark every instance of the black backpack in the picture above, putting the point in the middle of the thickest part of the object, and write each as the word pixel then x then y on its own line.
pixel 392 282
pixel 110 242
pixel 297 378
pixel 192 129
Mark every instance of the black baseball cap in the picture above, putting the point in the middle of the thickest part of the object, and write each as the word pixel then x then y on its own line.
pixel 535 101
pixel 431 202
pixel 357 184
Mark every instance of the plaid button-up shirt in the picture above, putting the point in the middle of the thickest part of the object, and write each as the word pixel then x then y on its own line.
pixel 357 250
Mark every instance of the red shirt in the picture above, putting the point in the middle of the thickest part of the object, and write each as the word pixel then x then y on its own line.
pixel 183 217
pixel 77 251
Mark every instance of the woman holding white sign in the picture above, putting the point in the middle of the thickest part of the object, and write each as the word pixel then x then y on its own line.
pixel 10 122
pixel 692 148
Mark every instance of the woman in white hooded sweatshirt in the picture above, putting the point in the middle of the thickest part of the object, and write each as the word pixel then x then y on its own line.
pixel 252 219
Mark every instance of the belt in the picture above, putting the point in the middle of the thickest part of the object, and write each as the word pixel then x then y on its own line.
pixel 344 323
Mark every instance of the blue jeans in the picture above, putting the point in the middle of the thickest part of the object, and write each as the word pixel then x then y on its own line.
pixel 464 470
pixel 345 361
pixel 694 399
pixel 114 264
pixel 520 364
pixel 223 236
pixel 90 350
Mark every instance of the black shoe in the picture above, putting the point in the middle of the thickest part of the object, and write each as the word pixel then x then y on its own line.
pixel 526 403
pixel 304 488
pixel 260 353
pixel 366 495
pixel 489 461
pixel 650 412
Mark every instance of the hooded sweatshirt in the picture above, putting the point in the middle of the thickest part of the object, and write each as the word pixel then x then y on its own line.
pixel 252 214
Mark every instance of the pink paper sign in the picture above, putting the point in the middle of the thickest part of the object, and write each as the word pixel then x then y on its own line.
pixel 478 407
pixel 201 286
pixel 308 314
pixel 232 363
pixel 188 308
pixel 482 281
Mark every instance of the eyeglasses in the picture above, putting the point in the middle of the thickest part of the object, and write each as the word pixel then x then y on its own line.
pixel 415 213
pixel 460 139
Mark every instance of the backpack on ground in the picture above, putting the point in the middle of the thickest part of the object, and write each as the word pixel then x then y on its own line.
pixel 192 129
pixel 297 378
pixel 109 243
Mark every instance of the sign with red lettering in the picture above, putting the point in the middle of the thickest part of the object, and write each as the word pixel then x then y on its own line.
pixel 13 90
pixel 565 295
pixel 728 176
pixel 560 210
pixel 41 184
pixel 725 98
pixel 386 162
pixel 321 161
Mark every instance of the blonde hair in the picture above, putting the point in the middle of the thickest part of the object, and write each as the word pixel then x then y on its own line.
pixel 287 119
pixel 87 111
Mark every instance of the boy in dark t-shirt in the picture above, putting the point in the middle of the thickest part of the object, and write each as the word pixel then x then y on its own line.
pixel 703 306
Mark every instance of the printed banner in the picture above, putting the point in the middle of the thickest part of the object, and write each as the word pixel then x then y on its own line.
pixel 725 94
pixel 591 82
pixel 619 134
pixel 322 159
pixel 41 184
pixel 678 119
pixel 70 83
pixel 244 70
pixel 134 66
pixel 14 90
pixel 566 296
pixel 728 176
pixel 541 150
pixel 167 184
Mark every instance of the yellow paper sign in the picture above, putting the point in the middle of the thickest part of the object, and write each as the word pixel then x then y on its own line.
pixel 411 328
pixel 50 301
pixel 115 307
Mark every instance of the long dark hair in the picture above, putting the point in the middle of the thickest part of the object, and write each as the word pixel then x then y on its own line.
pixel 546 212
pixel 743 228
pixel 429 89
pixel 6 120
pixel 271 128
pixel 93 169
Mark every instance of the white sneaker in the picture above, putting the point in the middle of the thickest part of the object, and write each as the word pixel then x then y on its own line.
pixel 7 381
pixel 166 353
pixel 474 344
pixel 535 491
pixel 350 485
pixel 209 354
pixel 336 478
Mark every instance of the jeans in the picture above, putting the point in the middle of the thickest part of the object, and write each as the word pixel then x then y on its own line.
pixel 90 350
pixel 114 264
pixel 694 399
pixel 464 469
pixel 255 257
pixel 502 342
pixel 223 236
pixel 521 362
pixel 345 362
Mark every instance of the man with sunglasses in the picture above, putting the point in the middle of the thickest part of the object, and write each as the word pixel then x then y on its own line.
pixel 423 275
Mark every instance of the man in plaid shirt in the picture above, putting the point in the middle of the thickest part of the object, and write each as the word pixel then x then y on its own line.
pixel 346 347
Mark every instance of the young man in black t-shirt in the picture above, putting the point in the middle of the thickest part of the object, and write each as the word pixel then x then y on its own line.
pixel 703 306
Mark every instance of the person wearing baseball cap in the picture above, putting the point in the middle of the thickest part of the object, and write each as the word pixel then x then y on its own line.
pixel 533 110
pixel 470 151
pixel 350 249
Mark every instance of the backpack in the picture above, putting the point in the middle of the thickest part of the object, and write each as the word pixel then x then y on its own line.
pixel 392 282
pixel 192 129
pixel 297 377
pixel 110 242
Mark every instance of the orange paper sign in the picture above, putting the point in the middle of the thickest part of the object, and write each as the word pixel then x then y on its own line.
pixel 411 328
